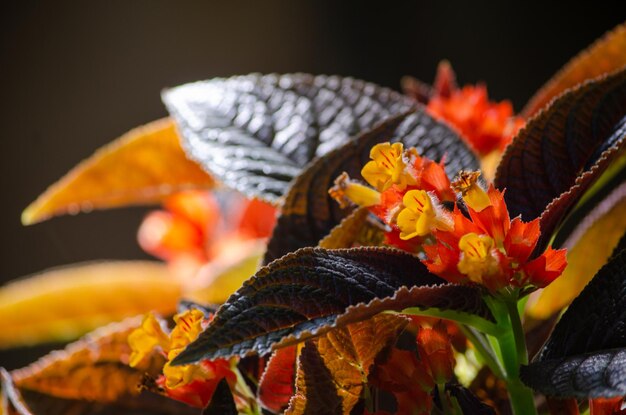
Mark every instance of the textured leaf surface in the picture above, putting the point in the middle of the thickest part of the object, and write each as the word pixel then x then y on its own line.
pixel 143 166
pixel 359 228
pixel 222 401
pixel 79 298
pixel 456 302
pixel 607 54
pixel 586 353
pixel 276 386
pixel 301 295
pixel 314 383
pixel 309 213
pixel 348 353
pixel 27 402
pixel 255 133
pixel 566 147
pixel 94 368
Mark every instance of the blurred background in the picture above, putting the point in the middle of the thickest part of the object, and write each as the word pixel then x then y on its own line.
pixel 75 75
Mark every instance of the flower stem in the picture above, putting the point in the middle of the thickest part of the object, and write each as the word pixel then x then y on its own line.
pixel 512 346
pixel 483 348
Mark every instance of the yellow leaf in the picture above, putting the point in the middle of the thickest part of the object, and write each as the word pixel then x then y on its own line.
pixel 142 166
pixel 606 55
pixel 62 304
pixel 348 354
pixel 584 260
pixel 94 368
pixel 357 229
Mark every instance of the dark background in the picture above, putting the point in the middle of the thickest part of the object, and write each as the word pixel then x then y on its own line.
pixel 73 76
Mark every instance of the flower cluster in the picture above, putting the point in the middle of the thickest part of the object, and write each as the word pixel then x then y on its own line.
pixel 410 379
pixel 192 230
pixel 486 126
pixel 472 240
pixel 192 383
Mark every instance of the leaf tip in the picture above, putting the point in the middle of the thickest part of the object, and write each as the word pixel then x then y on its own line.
pixel 31 215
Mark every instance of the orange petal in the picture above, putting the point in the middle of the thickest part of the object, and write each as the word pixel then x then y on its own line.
pixel 142 166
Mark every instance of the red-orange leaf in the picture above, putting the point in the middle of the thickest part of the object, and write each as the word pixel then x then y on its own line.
pixel 142 166
pixel 277 383
pixel 94 368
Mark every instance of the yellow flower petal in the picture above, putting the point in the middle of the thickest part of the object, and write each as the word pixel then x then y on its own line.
pixel 347 192
pixel 418 217
pixel 188 327
pixel 476 258
pixel 388 167
pixel 145 338
pixel 474 196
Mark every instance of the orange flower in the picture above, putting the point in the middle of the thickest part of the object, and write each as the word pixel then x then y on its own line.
pixel 192 231
pixel 612 406
pixel 408 379
pixel 491 250
pixel 435 350
pixel 192 383
pixel 486 125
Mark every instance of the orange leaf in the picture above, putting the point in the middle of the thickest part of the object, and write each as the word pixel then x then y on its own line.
pixel 348 353
pixel 277 383
pixel 62 304
pixel 94 368
pixel 606 55
pixel 142 166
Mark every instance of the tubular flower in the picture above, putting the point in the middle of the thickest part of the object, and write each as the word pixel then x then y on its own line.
pixel 347 191
pixel 192 383
pixel 408 379
pixel 490 249
pixel 478 260
pixel 420 216
pixel 390 165
pixel 435 350
pixel 487 126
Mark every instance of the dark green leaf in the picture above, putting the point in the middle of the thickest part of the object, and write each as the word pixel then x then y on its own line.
pixel 468 402
pixel 563 150
pixel 449 301
pixel 255 133
pixel 301 295
pixel 311 291
pixel 222 401
pixel 586 354
pixel 309 213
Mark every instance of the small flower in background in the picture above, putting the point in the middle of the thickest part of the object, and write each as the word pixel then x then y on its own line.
pixel 192 383
pixel 408 378
pixel 435 349
pixel 486 126
pixel 193 229
pixel 614 406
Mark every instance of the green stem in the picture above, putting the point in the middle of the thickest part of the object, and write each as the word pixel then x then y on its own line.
pixel 443 398
pixel 484 349
pixel 512 345
pixel 518 332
